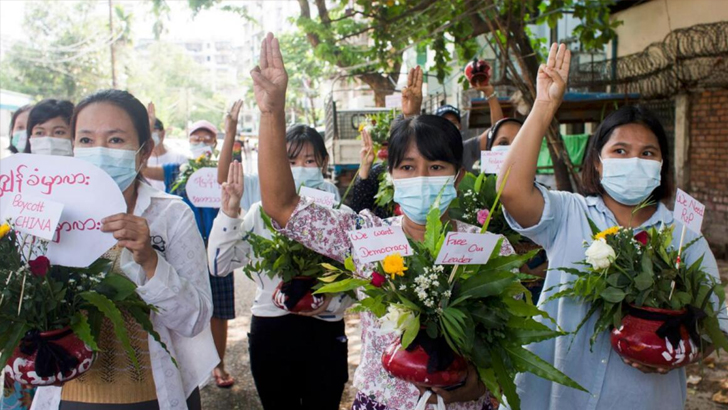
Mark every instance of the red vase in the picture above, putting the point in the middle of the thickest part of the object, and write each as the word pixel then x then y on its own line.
pixel 411 366
pixel 22 367
pixel 308 303
pixel 477 72
pixel 637 341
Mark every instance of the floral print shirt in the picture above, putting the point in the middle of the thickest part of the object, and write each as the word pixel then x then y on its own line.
pixel 325 231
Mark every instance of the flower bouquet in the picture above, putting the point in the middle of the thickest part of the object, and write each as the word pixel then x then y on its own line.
pixel 297 266
pixel 476 196
pixel 186 170
pixel 378 126
pixel 660 311
pixel 51 316
pixel 449 315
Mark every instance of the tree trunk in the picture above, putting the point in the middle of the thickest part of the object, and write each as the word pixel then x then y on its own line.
pixel 381 85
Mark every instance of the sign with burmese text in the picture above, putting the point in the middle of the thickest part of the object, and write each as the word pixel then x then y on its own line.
pixel 467 248
pixel 375 244
pixel 31 214
pixel 87 194
pixel 202 188
pixel 688 211
pixel 323 198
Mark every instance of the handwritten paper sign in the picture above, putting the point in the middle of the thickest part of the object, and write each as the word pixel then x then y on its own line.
pixel 374 244
pixel 202 188
pixel 467 248
pixel 87 193
pixel 323 198
pixel 689 211
pixel 492 161
pixel 31 214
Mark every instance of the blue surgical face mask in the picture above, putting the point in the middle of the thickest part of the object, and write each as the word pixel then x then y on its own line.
pixel 500 148
pixel 630 181
pixel 307 176
pixel 120 164
pixel 415 196
pixel 19 140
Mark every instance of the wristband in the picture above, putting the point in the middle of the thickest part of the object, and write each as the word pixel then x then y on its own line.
pixel 495 94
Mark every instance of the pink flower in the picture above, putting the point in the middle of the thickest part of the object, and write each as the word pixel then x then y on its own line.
pixel 483 216
pixel 39 266
pixel 378 279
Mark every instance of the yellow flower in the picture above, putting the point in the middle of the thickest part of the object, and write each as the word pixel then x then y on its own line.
pixel 361 127
pixel 394 265
pixel 603 234
pixel 200 158
pixel 4 229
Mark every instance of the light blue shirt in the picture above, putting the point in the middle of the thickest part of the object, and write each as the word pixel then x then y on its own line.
pixel 251 192
pixel 612 385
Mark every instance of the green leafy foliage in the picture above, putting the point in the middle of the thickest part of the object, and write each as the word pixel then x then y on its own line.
pixel 643 275
pixel 60 297
pixel 479 310
pixel 478 193
pixel 282 257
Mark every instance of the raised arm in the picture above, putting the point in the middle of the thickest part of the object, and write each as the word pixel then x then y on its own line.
pixel 412 94
pixel 520 197
pixel 226 152
pixel 278 191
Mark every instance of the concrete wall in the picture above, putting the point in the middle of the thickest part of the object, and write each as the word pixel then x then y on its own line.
pixel 708 163
pixel 651 21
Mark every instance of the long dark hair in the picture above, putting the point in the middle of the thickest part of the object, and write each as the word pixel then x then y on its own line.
pixel 13 119
pixel 124 100
pixel 437 139
pixel 127 102
pixel 628 114
pixel 47 110
pixel 297 136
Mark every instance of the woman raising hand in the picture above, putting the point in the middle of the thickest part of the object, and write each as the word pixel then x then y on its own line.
pixel 425 158
pixel 627 161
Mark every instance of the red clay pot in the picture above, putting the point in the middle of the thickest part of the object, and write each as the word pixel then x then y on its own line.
pixel 308 303
pixel 21 367
pixel 478 72
pixel 411 366
pixel 637 340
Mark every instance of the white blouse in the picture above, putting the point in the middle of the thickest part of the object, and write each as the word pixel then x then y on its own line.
pixel 180 288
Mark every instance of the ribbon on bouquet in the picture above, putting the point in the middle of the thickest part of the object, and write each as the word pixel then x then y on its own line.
pixel 422 404
pixel 51 358
pixel 671 328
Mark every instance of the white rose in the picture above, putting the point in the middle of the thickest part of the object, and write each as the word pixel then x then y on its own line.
pixel 600 255
pixel 395 320
pixel 184 167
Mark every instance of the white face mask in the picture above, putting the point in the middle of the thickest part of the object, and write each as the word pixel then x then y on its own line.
pixel 51 146
pixel 200 149
pixel 500 148
pixel 155 138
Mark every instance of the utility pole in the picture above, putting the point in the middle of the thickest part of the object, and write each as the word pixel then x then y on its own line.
pixel 111 46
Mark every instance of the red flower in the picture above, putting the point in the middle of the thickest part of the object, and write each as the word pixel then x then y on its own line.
pixel 39 266
pixel 642 238
pixel 383 154
pixel 378 279
pixel 397 210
